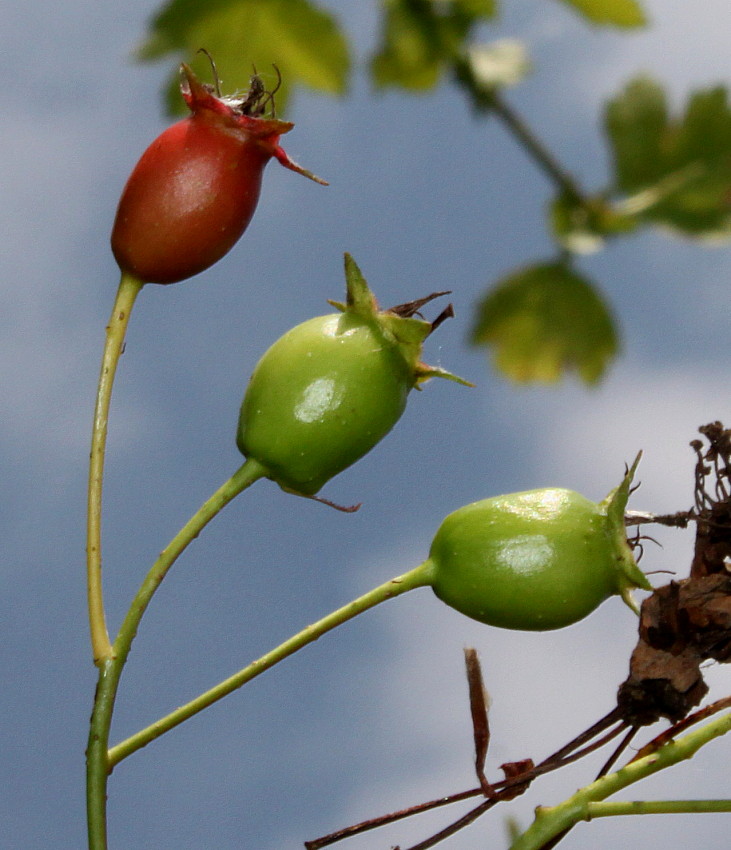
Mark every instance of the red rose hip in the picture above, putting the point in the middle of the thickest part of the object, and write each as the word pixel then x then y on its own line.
pixel 195 188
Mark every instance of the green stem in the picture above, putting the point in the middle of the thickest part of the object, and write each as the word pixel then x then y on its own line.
pixel 99 763
pixel 129 288
pixel 656 807
pixel 549 822
pixel 535 147
pixel 490 100
pixel 418 577
pixel 97 759
pixel 244 477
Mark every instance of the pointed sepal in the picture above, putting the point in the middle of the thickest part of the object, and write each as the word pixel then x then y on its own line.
pixel 630 576
pixel 398 326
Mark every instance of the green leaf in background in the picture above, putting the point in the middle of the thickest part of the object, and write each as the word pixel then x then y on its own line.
pixel 304 42
pixel 617 13
pixel 420 36
pixel 677 171
pixel 543 321
pixel 636 122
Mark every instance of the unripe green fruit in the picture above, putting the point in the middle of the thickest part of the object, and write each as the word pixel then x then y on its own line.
pixel 321 397
pixel 537 560
pixel 330 389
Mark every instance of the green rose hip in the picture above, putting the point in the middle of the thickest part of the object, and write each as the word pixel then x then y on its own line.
pixel 537 560
pixel 331 388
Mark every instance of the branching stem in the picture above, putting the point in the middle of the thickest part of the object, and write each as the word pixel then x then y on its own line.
pixel 99 762
pixel 549 822
pixel 418 577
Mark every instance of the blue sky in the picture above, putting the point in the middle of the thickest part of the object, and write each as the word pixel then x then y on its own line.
pixel 425 197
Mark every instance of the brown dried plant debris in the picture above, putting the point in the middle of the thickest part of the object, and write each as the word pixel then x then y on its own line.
pixel 688 622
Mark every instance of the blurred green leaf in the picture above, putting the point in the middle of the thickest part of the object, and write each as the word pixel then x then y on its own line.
pixel 543 321
pixel 304 42
pixel 420 36
pixel 677 171
pixel 473 8
pixel 618 13
pixel 581 226
pixel 636 122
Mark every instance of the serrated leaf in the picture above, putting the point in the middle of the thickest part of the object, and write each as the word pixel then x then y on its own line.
pixel 544 321
pixel 419 37
pixel 676 169
pixel 617 13
pixel 303 41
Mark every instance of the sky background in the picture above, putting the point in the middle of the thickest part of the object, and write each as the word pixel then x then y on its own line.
pixel 425 196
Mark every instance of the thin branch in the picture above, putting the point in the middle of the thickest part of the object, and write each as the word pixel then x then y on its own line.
pixel 570 752
pixel 619 749
pixel 418 577
pixel 656 807
pixel 550 822
pixel 129 289
pixel 668 734
pixel 490 100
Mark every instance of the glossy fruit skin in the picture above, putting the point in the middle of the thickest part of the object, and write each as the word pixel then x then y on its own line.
pixel 536 560
pixel 331 388
pixel 187 202
pixel 322 397
pixel 195 189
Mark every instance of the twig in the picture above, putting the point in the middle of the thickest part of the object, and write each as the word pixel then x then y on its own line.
pixel 570 752
pixel 490 100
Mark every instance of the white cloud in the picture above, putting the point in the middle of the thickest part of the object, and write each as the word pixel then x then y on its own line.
pixel 658 411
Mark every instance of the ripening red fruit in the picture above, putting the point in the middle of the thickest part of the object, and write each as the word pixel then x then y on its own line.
pixel 195 189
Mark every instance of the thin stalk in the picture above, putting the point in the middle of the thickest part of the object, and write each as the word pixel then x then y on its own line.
pixel 99 763
pixel 535 147
pixel 129 288
pixel 549 822
pixel 490 100
pixel 418 577
pixel 656 807
pixel 244 477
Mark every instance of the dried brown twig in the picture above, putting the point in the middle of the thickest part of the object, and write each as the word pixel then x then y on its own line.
pixel 518 775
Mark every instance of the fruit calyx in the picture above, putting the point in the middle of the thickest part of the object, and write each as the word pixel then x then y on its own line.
pixel 629 575
pixel 397 326
pixel 241 115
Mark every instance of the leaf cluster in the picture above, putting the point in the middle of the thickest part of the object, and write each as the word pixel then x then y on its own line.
pixel 673 171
